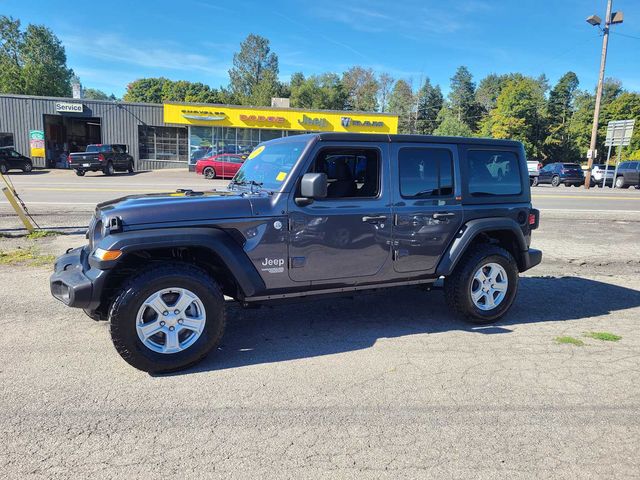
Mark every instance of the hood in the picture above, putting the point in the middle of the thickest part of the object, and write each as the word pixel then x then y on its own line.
pixel 179 207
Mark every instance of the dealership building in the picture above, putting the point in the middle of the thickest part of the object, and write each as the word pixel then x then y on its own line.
pixel 162 135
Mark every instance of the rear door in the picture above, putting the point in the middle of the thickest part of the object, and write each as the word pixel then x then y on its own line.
pixel 426 213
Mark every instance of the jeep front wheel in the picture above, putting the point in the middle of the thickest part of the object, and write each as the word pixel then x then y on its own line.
pixel 167 318
pixel 483 285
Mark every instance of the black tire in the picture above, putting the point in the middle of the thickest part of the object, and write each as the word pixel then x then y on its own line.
pixel 124 309
pixel 109 170
pixel 130 167
pixel 457 286
pixel 80 173
pixel 534 182
pixel 3 169
pixel 27 167
pixel 620 182
pixel 209 172
pixel 555 181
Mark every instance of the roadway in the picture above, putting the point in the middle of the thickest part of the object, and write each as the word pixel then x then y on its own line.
pixel 59 198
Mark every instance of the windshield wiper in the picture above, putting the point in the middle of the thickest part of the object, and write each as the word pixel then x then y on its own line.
pixel 251 183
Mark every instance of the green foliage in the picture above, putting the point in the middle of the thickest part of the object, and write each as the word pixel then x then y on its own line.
pixel 401 102
pixel 450 125
pixel 361 88
pixel 462 101
pixel 160 89
pixel 318 91
pixel 570 341
pixel 429 104
pixel 33 61
pixel 254 76
pixel 30 257
pixel 604 336
pixel 95 94
pixel 559 145
pixel 520 115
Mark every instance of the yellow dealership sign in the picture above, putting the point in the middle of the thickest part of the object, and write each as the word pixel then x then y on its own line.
pixel 279 118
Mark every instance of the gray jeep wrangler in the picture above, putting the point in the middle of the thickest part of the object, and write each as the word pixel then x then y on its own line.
pixel 306 215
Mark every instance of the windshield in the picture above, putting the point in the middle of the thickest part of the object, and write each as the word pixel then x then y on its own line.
pixel 269 164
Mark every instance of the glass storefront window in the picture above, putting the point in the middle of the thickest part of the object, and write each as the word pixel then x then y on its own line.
pixel 162 143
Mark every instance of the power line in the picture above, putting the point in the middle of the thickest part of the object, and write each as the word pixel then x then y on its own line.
pixel 625 35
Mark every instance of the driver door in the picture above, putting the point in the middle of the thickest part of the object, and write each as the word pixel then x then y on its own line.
pixel 347 235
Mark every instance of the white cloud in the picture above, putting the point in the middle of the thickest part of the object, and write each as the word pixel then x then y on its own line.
pixel 114 48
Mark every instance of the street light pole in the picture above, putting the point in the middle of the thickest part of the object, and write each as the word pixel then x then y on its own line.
pixel 596 111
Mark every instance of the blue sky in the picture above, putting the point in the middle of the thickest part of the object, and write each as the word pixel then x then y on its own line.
pixel 111 43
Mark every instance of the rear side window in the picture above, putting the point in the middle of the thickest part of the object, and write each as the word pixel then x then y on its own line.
pixel 493 172
pixel 425 172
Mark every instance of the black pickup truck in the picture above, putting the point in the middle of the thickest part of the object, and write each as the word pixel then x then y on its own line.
pixel 105 158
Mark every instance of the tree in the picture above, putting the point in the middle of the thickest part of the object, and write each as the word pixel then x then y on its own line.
pixel 559 145
pixel 401 103
pixel 95 94
pixel 582 119
pixel 361 88
pixel 147 90
pixel 450 125
pixel 318 91
pixel 11 80
pixel 462 98
pixel 254 76
pixel 624 106
pixel 32 62
pixel 385 82
pixel 520 114
pixel 430 102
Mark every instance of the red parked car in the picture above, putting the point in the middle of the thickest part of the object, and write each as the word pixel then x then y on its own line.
pixel 224 165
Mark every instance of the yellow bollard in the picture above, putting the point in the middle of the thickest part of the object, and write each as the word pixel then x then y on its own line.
pixel 19 211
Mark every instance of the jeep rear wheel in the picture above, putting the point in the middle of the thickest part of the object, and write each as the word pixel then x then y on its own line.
pixel 483 285
pixel 555 181
pixel 167 318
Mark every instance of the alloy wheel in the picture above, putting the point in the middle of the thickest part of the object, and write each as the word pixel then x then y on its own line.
pixel 489 286
pixel 170 320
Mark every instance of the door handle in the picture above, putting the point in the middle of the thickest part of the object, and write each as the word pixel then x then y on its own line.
pixel 374 219
pixel 442 216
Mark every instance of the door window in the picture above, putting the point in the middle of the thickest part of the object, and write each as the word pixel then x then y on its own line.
pixel 425 172
pixel 351 173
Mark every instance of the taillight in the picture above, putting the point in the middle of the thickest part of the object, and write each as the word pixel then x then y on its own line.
pixel 101 157
pixel 539 165
pixel 532 219
pixel 69 159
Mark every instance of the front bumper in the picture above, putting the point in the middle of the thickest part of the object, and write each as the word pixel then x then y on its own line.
pixel 74 282
pixel 530 259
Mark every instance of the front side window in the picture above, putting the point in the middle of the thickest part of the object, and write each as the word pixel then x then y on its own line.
pixel 493 172
pixel 425 172
pixel 351 173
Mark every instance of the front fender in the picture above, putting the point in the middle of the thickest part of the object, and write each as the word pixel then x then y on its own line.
pixel 219 242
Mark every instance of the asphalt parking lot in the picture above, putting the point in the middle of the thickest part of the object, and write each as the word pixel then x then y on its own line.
pixel 386 385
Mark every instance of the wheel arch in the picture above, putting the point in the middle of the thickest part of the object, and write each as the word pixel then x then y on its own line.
pixel 504 232
pixel 211 249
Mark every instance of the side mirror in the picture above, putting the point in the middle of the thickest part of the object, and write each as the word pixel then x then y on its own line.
pixel 314 185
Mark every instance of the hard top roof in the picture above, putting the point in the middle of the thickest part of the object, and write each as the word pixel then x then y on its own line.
pixel 377 137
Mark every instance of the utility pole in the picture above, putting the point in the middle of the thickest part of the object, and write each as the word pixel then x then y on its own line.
pixel 611 18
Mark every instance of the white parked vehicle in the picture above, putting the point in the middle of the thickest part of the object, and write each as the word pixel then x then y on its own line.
pixel 534 167
pixel 598 172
